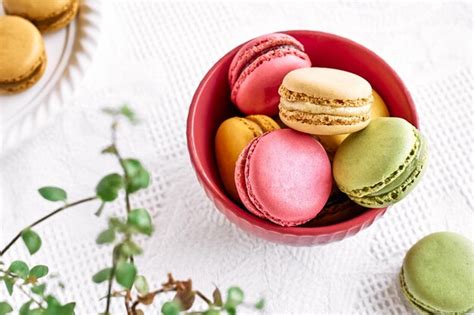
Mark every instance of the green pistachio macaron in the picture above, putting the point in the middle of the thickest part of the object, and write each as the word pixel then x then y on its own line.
pixel 379 165
pixel 437 275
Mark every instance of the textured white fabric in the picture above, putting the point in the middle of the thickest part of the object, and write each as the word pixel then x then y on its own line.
pixel 153 55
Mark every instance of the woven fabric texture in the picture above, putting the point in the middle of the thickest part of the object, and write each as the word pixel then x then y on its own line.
pixel 153 55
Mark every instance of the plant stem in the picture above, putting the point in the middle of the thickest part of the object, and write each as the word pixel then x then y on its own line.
pixel 125 175
pixel 69 205
pixel 120 160
pixel 111 281
pixel 29 295
pixel 203 297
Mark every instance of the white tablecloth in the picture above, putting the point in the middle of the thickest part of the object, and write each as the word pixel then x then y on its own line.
pixel 153 56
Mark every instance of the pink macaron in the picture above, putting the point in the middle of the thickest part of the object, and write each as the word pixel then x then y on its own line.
pixel 284 176
pixel 258 68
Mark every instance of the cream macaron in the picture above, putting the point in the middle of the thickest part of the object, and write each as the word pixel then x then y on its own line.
pixel 22 54
pixel 325 101
pixel 47 15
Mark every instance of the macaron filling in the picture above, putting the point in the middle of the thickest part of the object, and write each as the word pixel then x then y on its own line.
pixel 26 80
pixel 316 108
pixel 65 15
pixel 292 96
pixel 321 119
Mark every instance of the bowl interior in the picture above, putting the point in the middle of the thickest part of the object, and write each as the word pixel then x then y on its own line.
pixel 211 105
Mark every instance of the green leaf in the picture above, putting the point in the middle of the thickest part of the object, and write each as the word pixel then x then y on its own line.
pixel 52 193
pixel 102 275
pixel 107 236
pixel 129 248
pixel 9 282
pixel 19 268
pixel 25 308
pixel 137 176
pixel 36 311
pixel 260 304
pixel 32 240
pixel 235 296
pixel 68 309
pixel 211 312
pixel 128 113
pixel 140 219
pixel 39 271
pixel 39 289
pixel 117 223
pixel 170 308
pixel 125 274
pixel 217 296
pixel 5 308
pixel 109 186
pixel 141 285
pixel 54 307
pixel 111 149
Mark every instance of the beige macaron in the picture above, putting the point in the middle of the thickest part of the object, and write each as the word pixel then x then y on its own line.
pixel 22 54
pixel 47 15
pixel 325 101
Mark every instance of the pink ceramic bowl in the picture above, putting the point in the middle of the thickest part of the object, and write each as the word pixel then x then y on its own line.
pixel 211 105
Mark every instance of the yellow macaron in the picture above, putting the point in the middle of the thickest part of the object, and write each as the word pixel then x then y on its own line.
pixel 379 109
pixel 47 15
pixel 232 137
pixel 22 54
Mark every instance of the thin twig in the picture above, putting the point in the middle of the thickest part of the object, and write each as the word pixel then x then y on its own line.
pixel 122 165
pixel 69 205
pixel 127 303
pixel 111 280
pixel 203 297
pixel 121 162
pixel 29 295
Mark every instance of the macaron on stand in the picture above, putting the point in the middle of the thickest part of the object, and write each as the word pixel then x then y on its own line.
pixel 69 51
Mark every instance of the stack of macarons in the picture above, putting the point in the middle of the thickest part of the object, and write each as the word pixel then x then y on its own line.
pixel 326 133
pixel 22 52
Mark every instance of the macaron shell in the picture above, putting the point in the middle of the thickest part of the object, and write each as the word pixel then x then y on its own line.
pixel 47 15
pixel 232 137
pixel 438 273
pixel 256 92
pixel 254 48
pixel 264 122
pixel 371 156
pixel 241 181
pixel 327 83
pixel 36 10
pixel 21 51
pixel 288 177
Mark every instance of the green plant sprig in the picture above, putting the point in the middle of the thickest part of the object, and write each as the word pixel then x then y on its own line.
pixel 120 233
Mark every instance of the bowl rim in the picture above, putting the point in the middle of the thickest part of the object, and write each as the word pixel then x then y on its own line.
pixel 211 187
